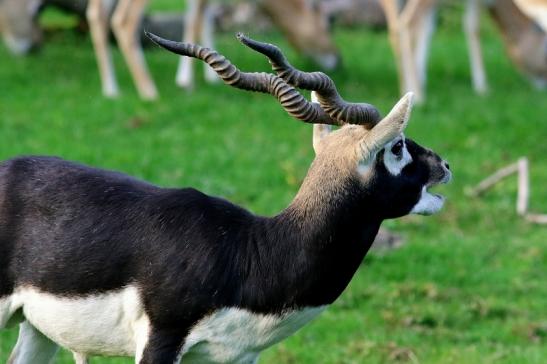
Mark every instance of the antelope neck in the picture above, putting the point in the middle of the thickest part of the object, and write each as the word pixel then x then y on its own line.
pixel 319 244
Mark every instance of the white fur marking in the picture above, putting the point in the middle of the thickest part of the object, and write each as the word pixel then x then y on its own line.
pixel 365 166
pixel 233 335
pixel 106 324
pixel 429 204
pixel 115 324
pixel 393 163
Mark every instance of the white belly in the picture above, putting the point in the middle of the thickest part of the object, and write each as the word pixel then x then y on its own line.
pixel 237 336
pixel 105 324
pixel 115 324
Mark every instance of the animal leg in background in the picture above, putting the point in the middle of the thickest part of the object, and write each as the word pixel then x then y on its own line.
pixel 192 29
pixel 125 23
pixel 404 25
pixel 207 38
pixel 425 28
pixel 471 27
pixel 97 17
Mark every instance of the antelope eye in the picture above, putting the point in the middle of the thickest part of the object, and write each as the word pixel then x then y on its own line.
pixel 397 148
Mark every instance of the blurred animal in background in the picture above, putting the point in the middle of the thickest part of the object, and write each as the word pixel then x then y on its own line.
pixel 412 23
pixel 303 24
pixel 22 32
pixel 125 21
pixel 525 37
pixel 302 21
pixel 534 9
pixel 355 13
pixel 411 26
pixel 18 25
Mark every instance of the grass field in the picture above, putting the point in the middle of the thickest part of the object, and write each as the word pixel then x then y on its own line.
pixel 470 286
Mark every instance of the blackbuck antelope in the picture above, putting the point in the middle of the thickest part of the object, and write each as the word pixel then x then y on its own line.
pixel 104 264
pixel 18 24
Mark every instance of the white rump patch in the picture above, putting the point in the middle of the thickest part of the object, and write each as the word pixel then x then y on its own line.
pixel 395 164
pixel 232 335
pixel 429 203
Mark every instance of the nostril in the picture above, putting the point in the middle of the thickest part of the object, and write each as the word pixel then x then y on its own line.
pixel 447 165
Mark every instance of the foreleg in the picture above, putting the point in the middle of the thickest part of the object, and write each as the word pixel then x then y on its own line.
pixel 162 347
pixel 80 358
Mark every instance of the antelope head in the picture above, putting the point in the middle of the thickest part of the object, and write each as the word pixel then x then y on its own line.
pixel 366 159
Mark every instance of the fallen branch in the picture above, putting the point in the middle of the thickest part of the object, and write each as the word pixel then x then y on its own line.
pixel 521 168
pixel 523 191
pixel 536 218
pixel 490 181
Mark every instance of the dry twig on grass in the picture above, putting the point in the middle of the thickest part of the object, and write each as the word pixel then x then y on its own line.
pixel 521 168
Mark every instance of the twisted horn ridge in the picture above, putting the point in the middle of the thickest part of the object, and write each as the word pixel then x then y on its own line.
pixel 327 95
pixel 292 101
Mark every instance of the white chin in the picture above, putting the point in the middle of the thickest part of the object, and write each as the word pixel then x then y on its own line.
pixel 429 204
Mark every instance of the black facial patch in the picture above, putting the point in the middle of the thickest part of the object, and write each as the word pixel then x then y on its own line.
pixel 395 196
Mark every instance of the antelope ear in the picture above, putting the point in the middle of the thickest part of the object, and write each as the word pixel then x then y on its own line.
pixel 390 127
pixel 319 130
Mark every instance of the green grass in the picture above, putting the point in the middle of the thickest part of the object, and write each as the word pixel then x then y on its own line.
pixel 470 285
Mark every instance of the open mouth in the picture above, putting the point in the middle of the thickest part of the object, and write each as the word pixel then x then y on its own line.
pixel 430 202
pixel 446 179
